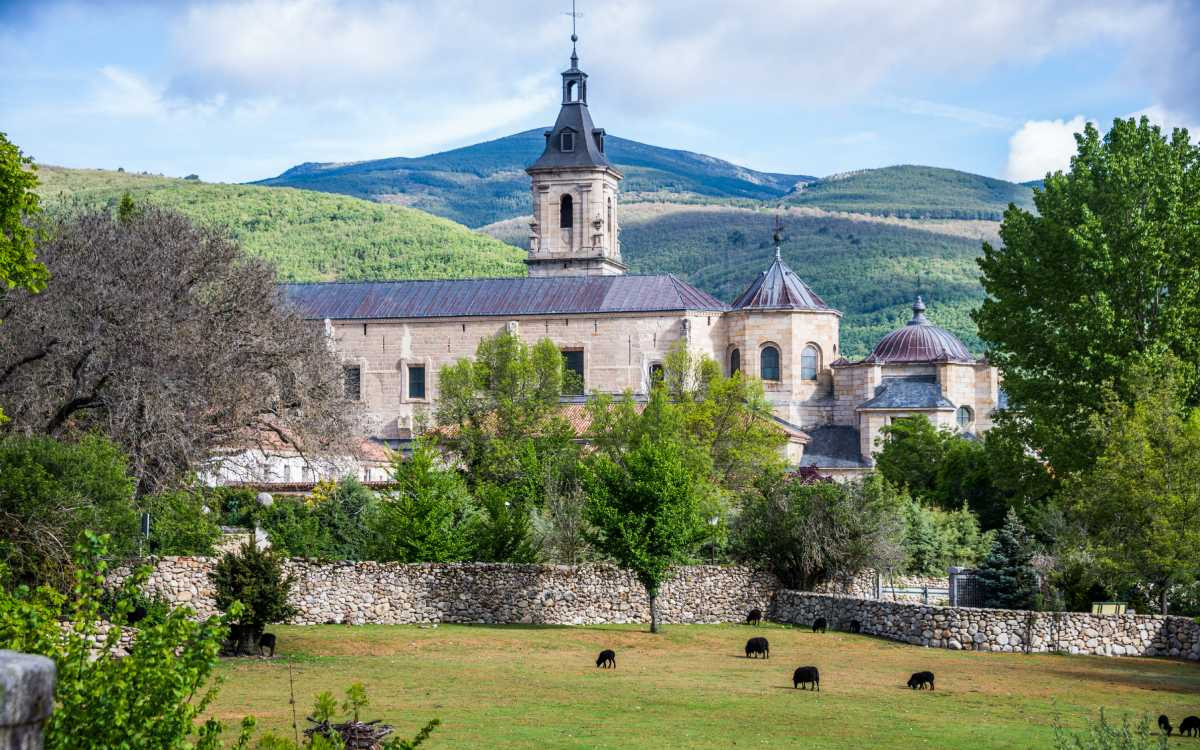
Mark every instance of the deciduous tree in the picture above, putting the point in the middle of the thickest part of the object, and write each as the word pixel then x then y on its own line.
pixel 1106 271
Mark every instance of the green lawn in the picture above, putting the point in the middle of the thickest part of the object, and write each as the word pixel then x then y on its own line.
pixel 690 687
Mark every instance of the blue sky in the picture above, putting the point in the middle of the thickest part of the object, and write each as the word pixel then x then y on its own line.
pixel 242 89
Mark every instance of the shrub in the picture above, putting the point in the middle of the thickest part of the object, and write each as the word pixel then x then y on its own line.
pixel 334 524
pixel 180 524
pixel 149 700
pixel 424 518
pixel 1101 735
pixel 254 580
pixel 50 492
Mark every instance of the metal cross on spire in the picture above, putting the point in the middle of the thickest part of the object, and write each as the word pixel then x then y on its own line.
pixel 778 235
pixel 574 37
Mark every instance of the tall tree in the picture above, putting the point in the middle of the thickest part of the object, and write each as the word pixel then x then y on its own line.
pixel 911 452
pixel 167 338
pixel 643 503
pixel 1006 575
pixel 1107 270
pixel 1140 504
pixel 423 517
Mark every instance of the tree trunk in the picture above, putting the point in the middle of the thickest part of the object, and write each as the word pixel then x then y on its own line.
pixel 653 596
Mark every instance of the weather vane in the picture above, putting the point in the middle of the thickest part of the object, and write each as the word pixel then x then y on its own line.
pixel 574 16
pixel 778 230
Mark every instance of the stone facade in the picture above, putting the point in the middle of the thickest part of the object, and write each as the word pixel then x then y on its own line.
pixel 393 593
pixel 965 628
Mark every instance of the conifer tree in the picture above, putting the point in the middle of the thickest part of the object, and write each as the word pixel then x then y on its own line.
pixel 1006 575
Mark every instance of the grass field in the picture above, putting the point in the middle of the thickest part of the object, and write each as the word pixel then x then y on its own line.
pixel 691 687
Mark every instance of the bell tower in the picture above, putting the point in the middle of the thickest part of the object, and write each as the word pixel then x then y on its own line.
pixel 574 227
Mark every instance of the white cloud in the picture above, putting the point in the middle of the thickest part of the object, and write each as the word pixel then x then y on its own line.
pixel 1167 119
pixel 1042 146
pixel 950 112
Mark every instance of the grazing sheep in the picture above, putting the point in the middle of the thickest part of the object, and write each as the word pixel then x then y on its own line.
pixel 607 658
pixel 919 680
pixel 1190 727
pixel 820 624
pixel 855 626
pixel 756 646
pixel 266 640
pixel 754 617
pixel 1164 724
pixel 806 675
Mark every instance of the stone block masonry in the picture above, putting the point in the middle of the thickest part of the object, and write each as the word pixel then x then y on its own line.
pixel 967 628
pixel 393 593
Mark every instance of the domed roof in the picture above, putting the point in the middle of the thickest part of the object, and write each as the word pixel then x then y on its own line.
pixel 779 288
pixel 919 341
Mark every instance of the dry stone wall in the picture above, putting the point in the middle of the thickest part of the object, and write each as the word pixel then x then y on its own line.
pixel 998 629
pixel 393 593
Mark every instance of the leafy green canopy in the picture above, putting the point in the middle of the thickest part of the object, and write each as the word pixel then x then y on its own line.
pixel 424 518
pixel 1139 505
pixel 1006 576
pixel 1106 272
pixel 644 500
pixel 18 203
pixel 250 585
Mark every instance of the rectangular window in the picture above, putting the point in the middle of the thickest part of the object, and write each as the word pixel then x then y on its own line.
pixel 416 381
pixel 352 382
pixel 568 141
pixel 573 372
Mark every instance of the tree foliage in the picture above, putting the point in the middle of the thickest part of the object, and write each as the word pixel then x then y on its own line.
pixel 1105 272
pixel 50 493
pixel 19 267
pixel 425 516
pixel 1139 505
pixel 251 586
pixel 167 338
pixel 643 503
pixel 180 523
pixel 1007 577
pixel 151 699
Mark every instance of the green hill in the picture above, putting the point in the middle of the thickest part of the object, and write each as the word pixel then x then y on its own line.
pixel 869 268
pixel 309 236
pixel 914 191
pixel 486 182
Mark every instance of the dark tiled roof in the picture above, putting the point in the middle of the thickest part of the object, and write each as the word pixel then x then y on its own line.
pixel 833 447
pixel 908 394
pixel 550 295
pixel 586 142
pixel 919 341
pixel 779 288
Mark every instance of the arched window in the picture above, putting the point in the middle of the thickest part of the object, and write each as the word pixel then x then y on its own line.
pixel 769 363
pixel 571 91
pixel 566 213
pixel 810 362
pixel 735 361
pixel 965 418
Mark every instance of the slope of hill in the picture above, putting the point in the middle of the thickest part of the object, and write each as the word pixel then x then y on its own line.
pixel 309 236
pixel 486 182
pixel 868 267
pixel 914 191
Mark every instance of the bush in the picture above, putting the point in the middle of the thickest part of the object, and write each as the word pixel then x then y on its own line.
pixel 503 529
pixel 50 492
pixel 324 734
pixel 254 580
pixel 424 519
pixel 149 700
pixel 180 524
pixel 334 523
pixel 1102 735
pixel 935 539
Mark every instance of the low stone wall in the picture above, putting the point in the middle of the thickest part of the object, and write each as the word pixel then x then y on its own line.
pixel 393 593
pixel 998 629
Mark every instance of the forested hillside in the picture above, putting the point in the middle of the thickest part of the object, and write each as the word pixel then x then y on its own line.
pixel 868 268
pixel 309 236
pixel 914 191
pixel 486 182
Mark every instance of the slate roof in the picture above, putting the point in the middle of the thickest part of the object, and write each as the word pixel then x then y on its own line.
pixel 919 341
pixel 779 288
pixel 833 447
pixel 908 394
pixel 551 295
pixel 574 116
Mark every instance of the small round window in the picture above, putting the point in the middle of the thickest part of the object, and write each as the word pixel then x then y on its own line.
pixel 965 418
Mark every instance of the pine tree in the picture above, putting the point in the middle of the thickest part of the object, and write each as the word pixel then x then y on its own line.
pixel 1006 575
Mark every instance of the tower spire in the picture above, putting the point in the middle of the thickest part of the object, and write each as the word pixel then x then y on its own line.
pixel 574 36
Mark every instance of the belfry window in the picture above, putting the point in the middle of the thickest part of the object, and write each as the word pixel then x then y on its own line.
pixel 566 212
pixel 809 363
pixel 735 362
pixel 768 363
pixel 566 141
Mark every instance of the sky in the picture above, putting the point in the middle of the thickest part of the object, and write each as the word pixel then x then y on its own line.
pixel 239 90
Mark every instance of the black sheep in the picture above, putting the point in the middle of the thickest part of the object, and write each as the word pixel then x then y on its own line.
pixel 820 624
pixel 1164 724
pixel 855 626
pixel 806 675
pixel 607 658
pixel 267 640
pixel 756 646
pixel 1190 727
pixel 920 679
pixel 754 617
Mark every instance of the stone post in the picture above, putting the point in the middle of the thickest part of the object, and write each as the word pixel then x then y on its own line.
pixel 26 699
